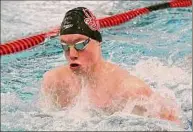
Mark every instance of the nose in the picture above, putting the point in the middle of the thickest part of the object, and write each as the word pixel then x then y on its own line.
pixel 73 53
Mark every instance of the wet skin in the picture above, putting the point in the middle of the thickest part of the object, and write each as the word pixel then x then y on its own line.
pixel 109 87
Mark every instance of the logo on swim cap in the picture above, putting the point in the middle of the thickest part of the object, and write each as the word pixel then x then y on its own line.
pixel 67 26
pixel 91 20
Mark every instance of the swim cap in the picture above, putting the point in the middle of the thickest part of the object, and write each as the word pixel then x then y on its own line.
pixel 81 21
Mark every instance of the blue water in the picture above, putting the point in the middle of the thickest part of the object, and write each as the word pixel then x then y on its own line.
pixel 160 42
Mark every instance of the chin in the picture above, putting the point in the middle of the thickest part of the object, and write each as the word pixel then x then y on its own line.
pixel 83 71
pixel 79 70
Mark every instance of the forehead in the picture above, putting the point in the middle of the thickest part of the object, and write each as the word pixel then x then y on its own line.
pixel 72 38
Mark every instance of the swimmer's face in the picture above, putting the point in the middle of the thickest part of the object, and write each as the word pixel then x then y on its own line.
pixel 85 58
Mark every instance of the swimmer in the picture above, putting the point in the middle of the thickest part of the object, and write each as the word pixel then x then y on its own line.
pixel 109 86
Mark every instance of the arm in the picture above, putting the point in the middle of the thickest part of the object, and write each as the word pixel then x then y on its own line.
pixel 168 108
pixel 46 88
pixel 54 90
pixel 145 98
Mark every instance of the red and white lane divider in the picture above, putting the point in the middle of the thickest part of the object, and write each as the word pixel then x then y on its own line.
pixel 28 42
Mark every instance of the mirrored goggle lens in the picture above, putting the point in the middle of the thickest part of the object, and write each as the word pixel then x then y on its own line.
pixel 82 45
pixel 79 46
pixel 65 47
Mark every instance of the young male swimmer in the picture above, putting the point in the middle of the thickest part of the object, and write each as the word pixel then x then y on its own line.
pixel 110 87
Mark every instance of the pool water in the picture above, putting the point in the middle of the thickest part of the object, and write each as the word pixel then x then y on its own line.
pixel 156 48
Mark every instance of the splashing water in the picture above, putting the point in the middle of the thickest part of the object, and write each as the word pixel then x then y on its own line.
pixel 154 47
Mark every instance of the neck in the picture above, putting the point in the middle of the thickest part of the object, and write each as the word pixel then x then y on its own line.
pixel 93 72
pixel 97 68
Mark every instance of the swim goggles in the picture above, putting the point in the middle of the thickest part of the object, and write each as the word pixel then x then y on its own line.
pixel 78 46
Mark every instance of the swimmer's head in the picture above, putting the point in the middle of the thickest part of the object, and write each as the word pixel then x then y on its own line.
pixel 80 38
pixel 81 21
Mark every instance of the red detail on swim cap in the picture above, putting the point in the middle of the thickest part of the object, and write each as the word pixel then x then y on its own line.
pixel 91 20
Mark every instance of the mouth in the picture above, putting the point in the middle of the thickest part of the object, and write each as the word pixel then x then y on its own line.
pixel 74 66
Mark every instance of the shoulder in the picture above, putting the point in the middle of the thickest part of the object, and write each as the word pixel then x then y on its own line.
pixel 113 68
pixel 53 77
pixel 56 73
pixel 117 71
pixel 136 85
pixel 127 82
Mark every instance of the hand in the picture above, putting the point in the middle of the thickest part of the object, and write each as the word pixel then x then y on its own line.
pixel 169 114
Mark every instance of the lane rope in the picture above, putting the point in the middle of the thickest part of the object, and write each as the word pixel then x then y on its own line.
pixel 115 20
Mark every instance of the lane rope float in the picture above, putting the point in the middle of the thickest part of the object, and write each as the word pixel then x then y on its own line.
pixel 124 17
pixel 29 42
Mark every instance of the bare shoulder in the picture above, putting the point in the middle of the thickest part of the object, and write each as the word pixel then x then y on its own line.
pixel 53 77
pixel 117 70
pixel 56 72
pixel 130 82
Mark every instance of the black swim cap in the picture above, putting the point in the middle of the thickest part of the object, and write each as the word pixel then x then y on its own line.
pixel 81 21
